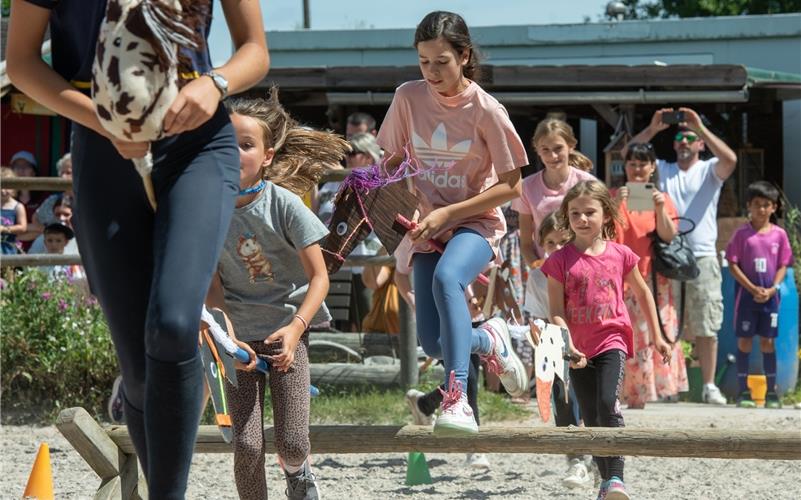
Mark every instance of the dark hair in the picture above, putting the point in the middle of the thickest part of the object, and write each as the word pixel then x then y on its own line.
pixel 641 151
pixel 452 28
pixel 359 118
pixel 59 228
pixel 762 189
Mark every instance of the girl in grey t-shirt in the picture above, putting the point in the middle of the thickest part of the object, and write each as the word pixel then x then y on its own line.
pixel 271 281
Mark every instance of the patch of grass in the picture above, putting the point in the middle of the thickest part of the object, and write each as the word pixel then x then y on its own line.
pixel 793 397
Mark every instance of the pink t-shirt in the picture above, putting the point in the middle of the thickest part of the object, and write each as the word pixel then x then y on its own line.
pixel 460 144
pixel 538 200
pixel 594 307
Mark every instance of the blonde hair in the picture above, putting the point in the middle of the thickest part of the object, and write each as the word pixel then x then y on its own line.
pixel 555 126
pixel 302 154
pixel 8 173
pixel 597 191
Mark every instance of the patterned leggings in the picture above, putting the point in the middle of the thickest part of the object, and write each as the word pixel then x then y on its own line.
pixel 290 398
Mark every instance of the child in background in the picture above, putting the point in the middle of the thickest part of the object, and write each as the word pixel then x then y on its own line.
pixel 469 157
pixel 14 220
pixel 271 280
pixel 758 254
pixel 585 295
pixel 542 194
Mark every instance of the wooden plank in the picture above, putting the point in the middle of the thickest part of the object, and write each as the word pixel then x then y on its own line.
pixel 339 287
pixel 90 441
pixel 700 443
pixel 337 301
pixel 339 314
pixel 110 490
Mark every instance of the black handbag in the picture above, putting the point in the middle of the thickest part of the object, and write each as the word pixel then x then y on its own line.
pixel 674 259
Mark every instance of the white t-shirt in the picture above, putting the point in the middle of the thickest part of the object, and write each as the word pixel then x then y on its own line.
pixel 695 192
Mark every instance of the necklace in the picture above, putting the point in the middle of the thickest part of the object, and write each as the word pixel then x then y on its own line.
pixel 255 189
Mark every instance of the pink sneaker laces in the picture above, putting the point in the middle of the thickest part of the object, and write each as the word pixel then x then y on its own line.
pixel 491 360
pixel 454 393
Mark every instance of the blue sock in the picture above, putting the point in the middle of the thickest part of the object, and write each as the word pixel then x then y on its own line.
pixel 769 364
pixel 742 370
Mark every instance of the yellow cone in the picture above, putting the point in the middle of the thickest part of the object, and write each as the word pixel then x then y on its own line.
pixel 40 482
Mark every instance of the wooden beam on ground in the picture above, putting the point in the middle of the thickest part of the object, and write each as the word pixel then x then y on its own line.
pixel 702 443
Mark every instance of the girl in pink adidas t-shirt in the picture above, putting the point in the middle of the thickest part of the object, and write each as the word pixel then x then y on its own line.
pixel 469 156
pixel 542 194
pixel 585 294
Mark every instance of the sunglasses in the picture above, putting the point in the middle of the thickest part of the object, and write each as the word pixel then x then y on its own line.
pixel 681 136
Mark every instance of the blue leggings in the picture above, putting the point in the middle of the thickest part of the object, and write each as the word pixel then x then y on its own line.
pixel 150 273
pixel 443 320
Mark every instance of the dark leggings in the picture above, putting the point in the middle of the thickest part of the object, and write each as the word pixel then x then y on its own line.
pixel 597 388
pixel 151 271
pixel 431 401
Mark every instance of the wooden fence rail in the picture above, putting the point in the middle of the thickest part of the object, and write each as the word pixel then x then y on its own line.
pixel 110 452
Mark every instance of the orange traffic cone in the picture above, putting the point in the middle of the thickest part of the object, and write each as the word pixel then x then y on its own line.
pixel 40 482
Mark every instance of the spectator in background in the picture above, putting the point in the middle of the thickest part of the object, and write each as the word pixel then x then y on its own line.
pixel 61 213
pixel 44 214
pixel 56 238
pixel 24 165
pixel 694 186
pixel 359 123
pixel 13 219
pixel 647 378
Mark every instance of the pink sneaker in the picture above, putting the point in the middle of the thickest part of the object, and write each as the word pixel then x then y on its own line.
pixel 456 417
pixel 502 360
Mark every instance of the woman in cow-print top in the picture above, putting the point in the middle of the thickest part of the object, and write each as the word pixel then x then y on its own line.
pixel 150 271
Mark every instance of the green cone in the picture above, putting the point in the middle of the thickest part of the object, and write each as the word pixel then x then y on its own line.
pixel 417 469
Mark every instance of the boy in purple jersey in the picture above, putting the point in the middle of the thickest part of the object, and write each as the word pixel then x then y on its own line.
pixel 758 255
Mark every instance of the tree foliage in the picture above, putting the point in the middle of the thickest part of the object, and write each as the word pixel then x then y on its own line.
pixel 637 9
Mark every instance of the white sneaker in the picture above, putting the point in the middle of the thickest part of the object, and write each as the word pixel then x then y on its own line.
pixel 418 417
pixel 477 461
pixel 502 360
pixel 456 417
pixel 711 395
pixel 577 475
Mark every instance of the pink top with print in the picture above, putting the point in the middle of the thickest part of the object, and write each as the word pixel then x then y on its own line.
pixel 594 309
pixel 538 200
pixel 460 143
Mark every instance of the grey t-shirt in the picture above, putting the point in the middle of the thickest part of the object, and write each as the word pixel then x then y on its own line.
pixel 261 272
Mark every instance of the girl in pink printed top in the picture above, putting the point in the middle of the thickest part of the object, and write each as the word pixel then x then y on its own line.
pixel 542 194
pixel 469 157
pixel 585 294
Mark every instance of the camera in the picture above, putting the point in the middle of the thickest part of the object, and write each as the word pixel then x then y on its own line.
pixel 672 117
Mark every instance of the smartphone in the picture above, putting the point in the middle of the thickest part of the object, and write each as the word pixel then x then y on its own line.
pixel 672 117
pixel 641 196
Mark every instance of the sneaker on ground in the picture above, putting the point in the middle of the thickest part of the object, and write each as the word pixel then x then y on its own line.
pixel 115 412
pixel 603 490
pixel 502 359
pixel 711 395
pixel 616 490
pixel 477 461
pixel 772 401
pixel 418 417
pixel 302 485
pixel 744 400
pixel 577 474
pixel 456 417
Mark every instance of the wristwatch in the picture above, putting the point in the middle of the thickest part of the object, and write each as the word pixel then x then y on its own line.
pixel 778 288
pixel 219 81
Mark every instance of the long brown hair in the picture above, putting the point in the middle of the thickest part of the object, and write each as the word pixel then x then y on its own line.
pixel 302 154
pixel 596 190
pixel 453 29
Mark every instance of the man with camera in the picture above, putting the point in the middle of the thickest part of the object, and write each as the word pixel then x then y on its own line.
pixel 694 185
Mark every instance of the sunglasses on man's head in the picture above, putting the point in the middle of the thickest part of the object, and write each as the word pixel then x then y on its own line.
pixel 681 136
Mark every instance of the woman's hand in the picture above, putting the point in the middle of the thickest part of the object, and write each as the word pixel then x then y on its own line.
pixel 288 337
pixel 252 364
pixel 193 106
pixel 664 349
pixel 659 199
pixel 130 150
pixel 622 194
pixel 430 225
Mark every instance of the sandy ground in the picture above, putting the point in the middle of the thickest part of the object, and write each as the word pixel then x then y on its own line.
pixel 510 477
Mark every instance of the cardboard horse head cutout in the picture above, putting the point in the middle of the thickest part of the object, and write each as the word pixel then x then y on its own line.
pixel 368 200
pixel 137 66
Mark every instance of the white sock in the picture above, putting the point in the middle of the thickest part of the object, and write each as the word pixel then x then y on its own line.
pixel 292 469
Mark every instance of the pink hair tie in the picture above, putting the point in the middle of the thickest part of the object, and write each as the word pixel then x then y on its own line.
pixel 305 324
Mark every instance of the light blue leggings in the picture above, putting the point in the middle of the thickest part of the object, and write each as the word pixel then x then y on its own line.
pixel 444 326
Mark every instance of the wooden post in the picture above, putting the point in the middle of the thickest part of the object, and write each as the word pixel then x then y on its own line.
pixel 601 441
pixel 408 346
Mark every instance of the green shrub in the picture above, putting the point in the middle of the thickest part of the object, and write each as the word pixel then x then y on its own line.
pixel 56 349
